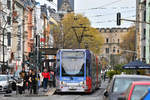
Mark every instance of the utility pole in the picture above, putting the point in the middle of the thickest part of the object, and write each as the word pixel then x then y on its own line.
pixel 137 29
pixel 79 38
pixel 3 44
pixel 23 36
pixel 37 39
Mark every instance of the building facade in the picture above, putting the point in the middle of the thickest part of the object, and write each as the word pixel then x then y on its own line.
pixel 20 22
pixel 6 30
pixel 141 34
pixel 143 44
pixel 112 40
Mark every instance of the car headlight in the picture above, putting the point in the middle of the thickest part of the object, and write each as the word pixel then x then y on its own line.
pixel 6 86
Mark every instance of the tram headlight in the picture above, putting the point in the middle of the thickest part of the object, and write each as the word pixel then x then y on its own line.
pixel 63 83
pixel 82 83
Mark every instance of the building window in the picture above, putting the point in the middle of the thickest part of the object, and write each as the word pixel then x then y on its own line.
pixel 107 40
pixel 118 51
pixel 114 49
pixel 113 40
pixel 144 52
pixel 107 50
pixel 8 20
pixel 8 4
pixel 118 40
pixel 144 15
pixel 9 39
pixel 144 34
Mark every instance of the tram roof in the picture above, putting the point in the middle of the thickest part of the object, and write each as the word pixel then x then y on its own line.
pixel 73 49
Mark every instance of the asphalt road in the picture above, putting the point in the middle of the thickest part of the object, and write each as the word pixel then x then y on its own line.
pixel 97 95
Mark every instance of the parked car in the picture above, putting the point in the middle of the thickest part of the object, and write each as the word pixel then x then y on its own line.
pixel 135 91
pixel 146 95
pixel 119 84
pixel 5 83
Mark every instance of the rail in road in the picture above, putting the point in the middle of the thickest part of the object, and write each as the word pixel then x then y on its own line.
pixel 97 95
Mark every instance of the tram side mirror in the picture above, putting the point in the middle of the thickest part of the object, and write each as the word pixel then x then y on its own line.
pixel 121 98
pixel 106 94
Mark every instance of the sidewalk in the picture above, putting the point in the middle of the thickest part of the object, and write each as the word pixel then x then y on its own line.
pixel 50 91
pixel 104 83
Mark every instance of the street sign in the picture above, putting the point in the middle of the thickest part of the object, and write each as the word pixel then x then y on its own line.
pixel 48 51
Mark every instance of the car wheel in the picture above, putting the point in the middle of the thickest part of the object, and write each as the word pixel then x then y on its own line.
pixel 8 91
pixel 14 86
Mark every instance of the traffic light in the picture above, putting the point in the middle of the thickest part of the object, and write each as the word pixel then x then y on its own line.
pixel 37 42
pixel 31 57
pixel 118 18
pixel 41 56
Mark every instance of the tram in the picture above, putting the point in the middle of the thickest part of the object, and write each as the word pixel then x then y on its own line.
pixel 77 70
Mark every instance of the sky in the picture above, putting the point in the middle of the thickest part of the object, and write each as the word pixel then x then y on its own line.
pixel 102 13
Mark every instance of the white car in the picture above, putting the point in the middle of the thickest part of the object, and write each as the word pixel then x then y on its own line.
pixel 5 85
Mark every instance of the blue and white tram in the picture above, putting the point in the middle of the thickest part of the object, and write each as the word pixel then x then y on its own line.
pixel 77 70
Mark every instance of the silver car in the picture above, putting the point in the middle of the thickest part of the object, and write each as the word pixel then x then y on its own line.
pixel 5 83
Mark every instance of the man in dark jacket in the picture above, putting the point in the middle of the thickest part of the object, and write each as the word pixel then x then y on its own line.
pixel 23 75
pixel 33 82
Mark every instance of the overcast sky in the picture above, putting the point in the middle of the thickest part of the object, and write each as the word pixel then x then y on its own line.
pixel 102 13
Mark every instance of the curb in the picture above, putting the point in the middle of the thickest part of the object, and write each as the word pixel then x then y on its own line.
pixel 26 95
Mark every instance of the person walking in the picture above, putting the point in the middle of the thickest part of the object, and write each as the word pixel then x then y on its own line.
pixel 40 79
pixel 34 82
pixel 46 76
pixel 29 82
pixel 23 75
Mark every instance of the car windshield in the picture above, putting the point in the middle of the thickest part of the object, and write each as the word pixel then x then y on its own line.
pixel 3 78
pixel 73 63
pixel 121 84
pixel 139 91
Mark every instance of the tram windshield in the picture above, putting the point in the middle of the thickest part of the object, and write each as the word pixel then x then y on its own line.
pixel 73 63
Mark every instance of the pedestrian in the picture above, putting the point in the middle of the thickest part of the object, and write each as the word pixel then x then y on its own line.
pixel 104 76
pixel 52 78
pixel 29 76
pixel 46 76
pixel 23 75
pixel 40 80
pixel 34 81
pixel 19 85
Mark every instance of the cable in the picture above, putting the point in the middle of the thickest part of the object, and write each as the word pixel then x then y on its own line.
pixel 113 20
pixel 100 15
pixel 112 8
pixel 101 7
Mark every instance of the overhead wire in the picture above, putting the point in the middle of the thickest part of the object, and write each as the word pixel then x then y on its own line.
pixel 101 7
pixel 101 15
pixel 104 21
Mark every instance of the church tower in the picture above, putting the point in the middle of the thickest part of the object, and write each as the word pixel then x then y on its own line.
pixel 65 6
